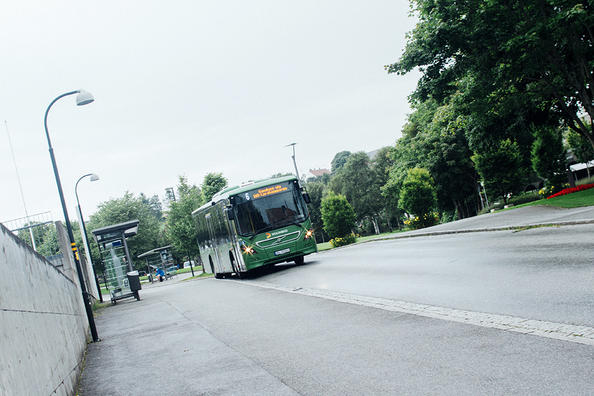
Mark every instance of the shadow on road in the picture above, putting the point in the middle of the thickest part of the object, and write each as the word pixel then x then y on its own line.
pixel 272 269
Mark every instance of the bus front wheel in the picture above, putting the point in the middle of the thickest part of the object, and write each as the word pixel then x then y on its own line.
pixel 299 260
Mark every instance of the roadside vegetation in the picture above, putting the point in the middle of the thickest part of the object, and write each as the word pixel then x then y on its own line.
pixel 493 122
pixel 502 108
pixel 573 200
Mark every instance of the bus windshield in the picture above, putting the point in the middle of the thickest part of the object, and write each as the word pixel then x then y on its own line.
pixel 268 208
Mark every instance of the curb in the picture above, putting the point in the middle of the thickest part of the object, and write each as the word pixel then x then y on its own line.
pixel 468 231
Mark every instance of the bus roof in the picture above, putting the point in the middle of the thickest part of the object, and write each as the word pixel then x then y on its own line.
pixel 225 193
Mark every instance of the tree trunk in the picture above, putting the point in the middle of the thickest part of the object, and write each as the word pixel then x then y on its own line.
pixel 375 225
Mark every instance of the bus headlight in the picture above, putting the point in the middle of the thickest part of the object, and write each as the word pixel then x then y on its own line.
pixel 308 234
pixel 248 250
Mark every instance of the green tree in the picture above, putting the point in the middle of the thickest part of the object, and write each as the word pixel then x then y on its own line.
pixel 434 138
pixel 447 156
pixel 338 215
pixel 154 203
pixel 548 157
pixel 382 165
pixel 316 191
pixel 46 239
pixel 126 208
pixel 281 174
pixel 212 184
pixel 339 160
pixel 501 169
pixel 418 196
pixel 358 182
pixel 582 150
pixel 180 227
pixel 517 55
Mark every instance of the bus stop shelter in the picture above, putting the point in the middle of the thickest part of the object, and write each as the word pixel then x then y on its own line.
pixel 158 259
pixel 121 280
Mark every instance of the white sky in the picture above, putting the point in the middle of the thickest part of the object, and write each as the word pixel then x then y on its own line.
pixel 190 87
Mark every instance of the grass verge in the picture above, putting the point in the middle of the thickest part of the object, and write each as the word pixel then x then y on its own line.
pixel 99 305
pixel 202 275
pixel 574 200
pixel 535 226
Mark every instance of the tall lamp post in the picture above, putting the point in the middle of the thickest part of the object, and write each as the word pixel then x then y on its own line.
pixel 83 233
pixel 82 98
pixel 294 162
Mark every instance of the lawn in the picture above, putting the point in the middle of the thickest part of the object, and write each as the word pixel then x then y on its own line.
pixel 573 200
pixel 201 275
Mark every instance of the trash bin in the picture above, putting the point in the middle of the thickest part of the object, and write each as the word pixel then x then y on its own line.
pixel 134 282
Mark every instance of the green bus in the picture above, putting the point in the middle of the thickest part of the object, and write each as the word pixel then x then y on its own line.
pixel 256 224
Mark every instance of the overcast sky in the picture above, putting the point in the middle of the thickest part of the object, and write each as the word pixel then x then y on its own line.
pixel 191 87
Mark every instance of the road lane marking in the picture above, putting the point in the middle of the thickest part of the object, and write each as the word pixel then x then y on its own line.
pixel 541 328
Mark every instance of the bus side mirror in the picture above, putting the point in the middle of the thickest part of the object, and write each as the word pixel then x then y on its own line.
pixel 306 198
pixel 229 212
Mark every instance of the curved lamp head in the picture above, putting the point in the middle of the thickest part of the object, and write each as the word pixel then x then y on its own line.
pixel 94 177
pixel 84 98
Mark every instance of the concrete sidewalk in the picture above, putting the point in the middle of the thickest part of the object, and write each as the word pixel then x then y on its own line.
pixel 150 347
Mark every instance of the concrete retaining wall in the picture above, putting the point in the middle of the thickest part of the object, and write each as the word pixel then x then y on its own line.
pixel 43 326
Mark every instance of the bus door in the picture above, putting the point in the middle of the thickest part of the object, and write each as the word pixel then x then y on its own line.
pixel 235 250
pixel 213 242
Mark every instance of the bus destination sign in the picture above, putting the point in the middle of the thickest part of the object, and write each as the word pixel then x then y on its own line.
pixel 264 192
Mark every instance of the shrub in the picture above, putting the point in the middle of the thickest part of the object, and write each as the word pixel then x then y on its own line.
pixel 427 220
pixel 418 196
pixel 345 240
pixel 524 198
pixel 338 215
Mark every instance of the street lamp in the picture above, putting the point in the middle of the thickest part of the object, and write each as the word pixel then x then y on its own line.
pixel 294 162
pixel 82 98
pixel 83 233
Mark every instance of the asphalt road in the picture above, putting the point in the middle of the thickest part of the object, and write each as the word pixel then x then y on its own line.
pixel 223 337
pixel 236 337
pixel 541 273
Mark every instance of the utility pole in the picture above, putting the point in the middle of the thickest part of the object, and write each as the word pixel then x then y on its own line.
pixel 293 156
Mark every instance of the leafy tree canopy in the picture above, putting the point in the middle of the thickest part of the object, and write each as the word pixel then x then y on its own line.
pixel 339 160
pixel 506 55
pixel 548 157
pixel 46 239
pixel 501 168
pixel 338 215
pixel 417 195
pixel 358 182
pixel 180 227
pixel 434 138
pixel 212 184
pixel 126 208
pixel 316 190
pixel 583 151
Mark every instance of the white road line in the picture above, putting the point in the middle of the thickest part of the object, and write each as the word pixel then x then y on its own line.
pixel 558 331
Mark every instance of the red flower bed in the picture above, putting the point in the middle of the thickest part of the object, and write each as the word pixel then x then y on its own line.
pixel 570 190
